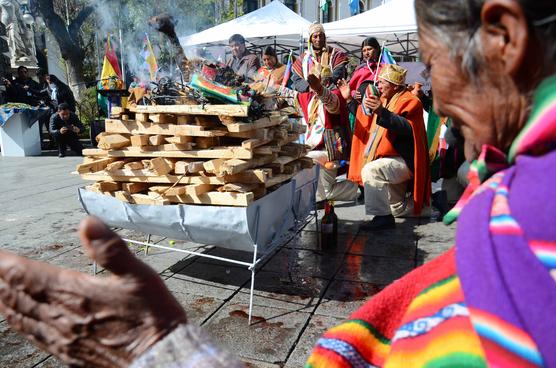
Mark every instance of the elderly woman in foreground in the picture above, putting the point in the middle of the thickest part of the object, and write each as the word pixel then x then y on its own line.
pixel 489 301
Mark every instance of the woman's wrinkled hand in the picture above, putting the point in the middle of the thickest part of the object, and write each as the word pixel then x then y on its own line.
pixel 87 320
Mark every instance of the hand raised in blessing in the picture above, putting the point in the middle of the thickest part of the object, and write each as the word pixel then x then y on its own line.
pixel 86 320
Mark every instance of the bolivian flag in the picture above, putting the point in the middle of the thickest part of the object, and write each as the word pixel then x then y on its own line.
pixel 110 66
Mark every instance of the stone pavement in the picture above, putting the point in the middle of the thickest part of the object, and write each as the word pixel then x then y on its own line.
pixel 299 292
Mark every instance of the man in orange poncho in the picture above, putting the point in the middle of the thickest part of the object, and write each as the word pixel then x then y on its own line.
pixel 389 151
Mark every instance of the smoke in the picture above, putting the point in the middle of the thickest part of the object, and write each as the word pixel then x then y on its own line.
pixel 133 21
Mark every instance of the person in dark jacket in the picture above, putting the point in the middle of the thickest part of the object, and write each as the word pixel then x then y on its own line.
pixel 61 93
pixel 65 127
pixel 244 63
pixel 23 88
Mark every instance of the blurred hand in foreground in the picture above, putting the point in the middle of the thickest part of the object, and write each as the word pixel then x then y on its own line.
pixel 86 320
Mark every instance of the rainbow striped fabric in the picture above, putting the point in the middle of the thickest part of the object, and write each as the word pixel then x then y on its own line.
pixel 436 331
pixel 497 310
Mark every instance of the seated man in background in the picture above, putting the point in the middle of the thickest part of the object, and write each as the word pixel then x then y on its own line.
pixel 27 90
pixel 393 158
pixel 65 127
pixel 243 63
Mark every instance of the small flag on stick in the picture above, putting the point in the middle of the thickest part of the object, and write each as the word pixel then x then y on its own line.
pixel 149 58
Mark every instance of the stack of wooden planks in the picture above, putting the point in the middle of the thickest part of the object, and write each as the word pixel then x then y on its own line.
pixel 212 155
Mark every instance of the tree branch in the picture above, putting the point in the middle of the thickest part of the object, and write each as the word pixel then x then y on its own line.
pixel 55 24
pixel 76 24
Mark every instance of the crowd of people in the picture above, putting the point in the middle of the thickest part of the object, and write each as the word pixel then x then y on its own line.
pixel 488 301
pixel 388 164
pixel 53 95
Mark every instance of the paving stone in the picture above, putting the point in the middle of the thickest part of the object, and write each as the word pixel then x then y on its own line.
pixel 191 285
pixel 292 292
pixel 15 351
pixel 375 270
pixel 197 307
pixel 267 339
pixel 51 362
pixel 342 298
pixel 305 262
pixel 399 243
pixel 308 240
pixel 434 239
pixel 316 327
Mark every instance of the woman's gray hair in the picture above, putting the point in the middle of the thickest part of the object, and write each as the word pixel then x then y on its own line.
pixel 455 23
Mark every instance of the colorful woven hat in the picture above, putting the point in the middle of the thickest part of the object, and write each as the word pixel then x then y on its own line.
pixel 393 73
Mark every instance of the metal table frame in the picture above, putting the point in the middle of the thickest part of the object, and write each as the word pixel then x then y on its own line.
pixel 277 243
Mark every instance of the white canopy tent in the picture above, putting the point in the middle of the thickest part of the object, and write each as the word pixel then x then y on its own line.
pixel 274 24
pixel 393 23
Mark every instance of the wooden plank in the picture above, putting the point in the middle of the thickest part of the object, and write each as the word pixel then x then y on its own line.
pixel 139 140
pixel 266 150
pixel 193 189
pixel 108 186
pixel 258 133
pixel 226 119
pixel 94 152
pixel 254 142
pixel 134 127
pixel 249 176
pixel 180 167
pixel 238 187
pixel 156 140
pixel 116 165
pixel 229 110
pixel 216 152
pixel 134 165
pixel 292 167
pixel 293 150
pixel 216 199
pixel 95 165
pixel 234 166
pixel 162 147
pixel 258 124
pixel 180 139
pixel 195 167
pixel 197 131
pixel 146 199
pixel 285 140
pixel 278 179
pixel 206 121
pixel 123 196
pixel 163 118
pixel 184 119
pixel 146 176
pixel 117 110
pixel 213 166
pixel 135 187
pixel 206 142
pixel 142 117
pixel 161 166
pixel 113 141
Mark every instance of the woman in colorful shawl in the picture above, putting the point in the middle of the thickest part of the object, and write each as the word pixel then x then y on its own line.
pixel 318 56
pixel 489 301
pixel 269 76
pixel 370 52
